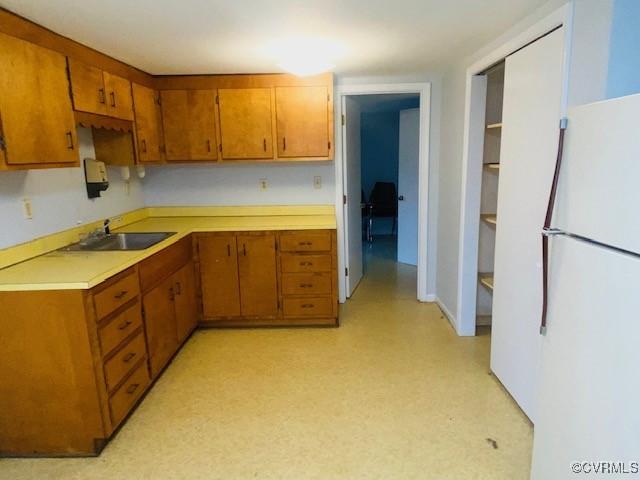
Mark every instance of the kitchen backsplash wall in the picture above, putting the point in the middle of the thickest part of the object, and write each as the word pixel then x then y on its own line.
pixel 239 184
pixel 59 198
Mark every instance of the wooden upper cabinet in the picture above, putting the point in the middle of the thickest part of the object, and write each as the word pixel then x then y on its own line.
pixel 188 118
pixel 97 91
pixel 302 118
pixel 119 101
pixel 258 277
pixel 37 126
pixel 148 124
pixel 219 275
pixel 245 123
pixel 87 88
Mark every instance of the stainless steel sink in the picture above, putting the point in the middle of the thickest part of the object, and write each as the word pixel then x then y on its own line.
pixel 118 241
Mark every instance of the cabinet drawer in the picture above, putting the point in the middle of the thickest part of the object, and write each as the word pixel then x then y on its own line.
pixel 124 360
pixel 126 396
pixel 159 266
pixel 311 241
pixel 115 295
pixel 307 307
pixel 292 263
pixel 306 283
pixel 119 328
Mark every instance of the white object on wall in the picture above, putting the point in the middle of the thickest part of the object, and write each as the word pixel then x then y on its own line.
pixel 408 186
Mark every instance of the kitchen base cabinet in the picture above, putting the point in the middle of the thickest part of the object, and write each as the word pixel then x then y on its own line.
pixel 268 278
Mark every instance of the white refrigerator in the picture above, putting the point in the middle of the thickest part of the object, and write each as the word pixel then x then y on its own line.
pixel 588 406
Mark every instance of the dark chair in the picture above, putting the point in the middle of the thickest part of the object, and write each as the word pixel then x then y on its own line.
pixel 384 204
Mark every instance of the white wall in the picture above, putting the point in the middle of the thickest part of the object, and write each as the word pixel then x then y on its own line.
pixel 238 184
pixel 59 198
pixel 587 83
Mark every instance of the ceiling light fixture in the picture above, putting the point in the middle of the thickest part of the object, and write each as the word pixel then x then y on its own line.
pixel 304 56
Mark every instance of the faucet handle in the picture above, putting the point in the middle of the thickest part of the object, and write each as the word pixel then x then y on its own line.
pixel 106 228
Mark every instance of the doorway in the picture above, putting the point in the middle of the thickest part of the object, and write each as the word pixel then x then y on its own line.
pixel 384 179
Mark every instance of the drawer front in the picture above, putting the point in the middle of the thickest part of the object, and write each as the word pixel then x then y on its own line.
pixel 117 367
pixel 307 307
pixel 306 283
pixel 119 328
pixel 159 266
pixel 126 396
pixel 305 241
pixel 114 296
pixel 292 263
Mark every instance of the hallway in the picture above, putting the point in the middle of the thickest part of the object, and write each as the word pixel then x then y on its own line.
pixel 391 394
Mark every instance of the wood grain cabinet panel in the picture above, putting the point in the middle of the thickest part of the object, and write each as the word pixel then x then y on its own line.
pixel 185 301
pixel 87 88
pixel 219 276
pixel 306 283
pixel 257 272
pixel 127 395
pixel 117 367
pixel 160 324
pixel 37 127
pixel 302 115
pixel 119 99
pixel 114 331
pixel 148 120
pixel 245 123
pixel 189 122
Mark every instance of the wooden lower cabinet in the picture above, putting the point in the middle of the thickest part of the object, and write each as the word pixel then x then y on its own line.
pixel 265 278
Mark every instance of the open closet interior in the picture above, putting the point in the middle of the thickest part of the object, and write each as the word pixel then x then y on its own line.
pixel 489 192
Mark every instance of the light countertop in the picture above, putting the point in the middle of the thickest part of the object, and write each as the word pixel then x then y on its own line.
pixel 59 270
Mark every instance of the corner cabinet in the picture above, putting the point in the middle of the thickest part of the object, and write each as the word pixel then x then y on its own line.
pixel 37 127
pixel 268 278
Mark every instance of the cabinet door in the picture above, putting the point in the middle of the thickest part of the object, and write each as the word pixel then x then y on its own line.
pixel 185 295
pixel 245 123
pixel 175 122
pixel 257 270
pixel 148 123
pixel 302 115
pixel 202 125
pixel 87 88
pixel 160 324
pixel 36 117
pixel 219 276
pixel 119 101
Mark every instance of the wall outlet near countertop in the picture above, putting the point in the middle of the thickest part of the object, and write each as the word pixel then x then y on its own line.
pixel 263 184
pixel 27 209
pixel 317 182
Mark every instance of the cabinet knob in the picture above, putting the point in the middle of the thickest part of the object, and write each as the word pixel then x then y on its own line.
pixel 284 143
pixel 132 388
pixel 128 357
pixel 120 294
pixel 143 145
pixel 70 145
pixel 307 305
pixel 125 325
pixel 264 144
pixel 101 97
pixel 113 98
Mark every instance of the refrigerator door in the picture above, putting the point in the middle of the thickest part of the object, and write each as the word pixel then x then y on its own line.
pixel 589 388
pixel 530 116
pixel 599 185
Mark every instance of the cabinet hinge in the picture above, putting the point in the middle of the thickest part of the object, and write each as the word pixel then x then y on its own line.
pixel 343 119
pixel 346 271
pixel 344 199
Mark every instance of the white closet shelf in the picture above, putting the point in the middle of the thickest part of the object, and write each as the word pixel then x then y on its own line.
pixel 494 126
pixel 492 167
pixel 489 218
pixel 486 279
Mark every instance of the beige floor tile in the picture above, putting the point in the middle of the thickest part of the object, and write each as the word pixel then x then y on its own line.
pixel 391 394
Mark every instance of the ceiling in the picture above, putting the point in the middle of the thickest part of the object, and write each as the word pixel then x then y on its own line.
pixel 359 37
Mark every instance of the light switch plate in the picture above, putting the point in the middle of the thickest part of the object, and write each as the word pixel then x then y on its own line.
pixel 317 182
pixel 27 209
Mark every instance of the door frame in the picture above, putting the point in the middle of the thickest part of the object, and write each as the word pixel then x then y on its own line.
pixel 426 224
pixel 473 144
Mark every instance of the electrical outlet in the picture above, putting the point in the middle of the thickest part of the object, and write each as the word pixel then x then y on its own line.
pixel 317 182
pixel 263 184
pixel 27 210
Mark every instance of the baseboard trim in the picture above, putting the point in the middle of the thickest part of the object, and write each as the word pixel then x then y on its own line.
pixel 447 313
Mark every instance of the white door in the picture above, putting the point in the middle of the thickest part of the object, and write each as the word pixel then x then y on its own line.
pixel 529 144
pixel 352 185
pixel 589 384
pixel 408 186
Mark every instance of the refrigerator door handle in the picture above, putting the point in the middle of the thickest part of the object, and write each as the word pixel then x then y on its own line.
pixel 547 231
